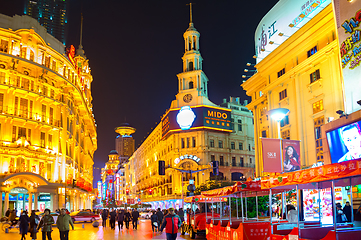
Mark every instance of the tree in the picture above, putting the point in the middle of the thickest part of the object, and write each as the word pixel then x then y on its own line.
pixel 211 184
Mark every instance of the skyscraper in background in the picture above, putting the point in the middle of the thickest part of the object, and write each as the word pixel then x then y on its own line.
pixel 52 14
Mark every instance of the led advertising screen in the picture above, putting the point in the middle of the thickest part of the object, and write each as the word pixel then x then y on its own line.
pixel 196 117
pixel 345 142
pixel 348 19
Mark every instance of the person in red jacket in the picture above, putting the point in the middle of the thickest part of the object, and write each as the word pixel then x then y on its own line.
pixel 171 223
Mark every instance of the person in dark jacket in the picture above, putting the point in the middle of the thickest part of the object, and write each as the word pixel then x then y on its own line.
pixel 120 218
pixel 112 216
pixel 135 216
pixel 7 214
pixel 160 217
pixel 339 213
pixel 347 211
pixel 154 221
pixel 34 221
pixel 181 214
pixel 127 218
pixel 171 223
pixel 104 217
pixel 24 224
pixel 46 223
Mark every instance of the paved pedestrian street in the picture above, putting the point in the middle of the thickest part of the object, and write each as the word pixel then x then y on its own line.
pixel 91 233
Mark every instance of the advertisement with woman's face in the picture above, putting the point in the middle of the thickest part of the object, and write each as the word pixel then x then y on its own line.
pixel 291 155
pixel 345 143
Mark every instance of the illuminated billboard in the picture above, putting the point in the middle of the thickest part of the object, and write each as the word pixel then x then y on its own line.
pixel 282 21
pixel 348 19
pixel 196 117
pixel 344 142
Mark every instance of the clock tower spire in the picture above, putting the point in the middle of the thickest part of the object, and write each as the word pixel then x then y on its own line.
pixel 192 82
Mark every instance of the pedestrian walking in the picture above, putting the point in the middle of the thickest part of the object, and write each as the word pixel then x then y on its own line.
pixel 62 223
pixel 46 223
pixel 104 217
pixel 347 211
pixel 34 221
pixel 160 217
pixel 154 222
pixel 135 217
pixel 24 224
pixel 12 217
pixel 181 214
pixel 112 216
pixel 120 218
pixel 127 218
pixel 171 223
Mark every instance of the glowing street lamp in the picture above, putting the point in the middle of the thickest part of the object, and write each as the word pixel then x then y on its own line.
pixel 278 114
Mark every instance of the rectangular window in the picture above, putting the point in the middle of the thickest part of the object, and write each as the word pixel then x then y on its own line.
pixel 23 52
pixel 2 77
pixel 43 112
pixel 193 142
pixel 233 161
pixel 23 108
pixel 283 94
pixel 182 143
pixel 4 46
pixel 16 106
pixel 29 135
pixel 187 142
pixel 213 158
pixel 240 146
pixel 48 171
pixel 221 161
pixel 318 122
pixel 280 73
pixel 312 51
pixel 285 134
pixel 315 76
pixel 31 109
pixel 220 144
pixel 21 132
pixel 42 139
pixel 14 134
pixel 239 125
pixel 211 143
pixel 264 133
pixel 241 162
pixel 317 106
pixel 51 116
pixel 47 61
pixel 232 123
pixel 50 141
pixel 285 121
pixel 233 145
pixel 249 147
pixel 1 102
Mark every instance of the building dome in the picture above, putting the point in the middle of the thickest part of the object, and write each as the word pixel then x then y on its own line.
pixel 125 129
pixel 113 152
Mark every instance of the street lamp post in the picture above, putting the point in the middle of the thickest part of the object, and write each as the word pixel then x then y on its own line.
pixel 278 114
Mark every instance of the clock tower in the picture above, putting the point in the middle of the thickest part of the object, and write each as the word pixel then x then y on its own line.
pixel 192 82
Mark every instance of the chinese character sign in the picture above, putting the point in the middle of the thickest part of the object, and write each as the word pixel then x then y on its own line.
pixel 348 19
pixel 291 155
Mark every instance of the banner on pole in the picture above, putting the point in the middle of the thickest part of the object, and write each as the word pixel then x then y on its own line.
pixel 271 149
pixel 291 155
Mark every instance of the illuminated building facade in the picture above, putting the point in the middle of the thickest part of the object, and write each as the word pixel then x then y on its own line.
pixel 193 133
pixel 47 128
pixel 51 14
pixel 298 68
pixel 124 142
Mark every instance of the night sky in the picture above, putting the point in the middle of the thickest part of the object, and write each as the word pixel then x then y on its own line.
pixel 135 49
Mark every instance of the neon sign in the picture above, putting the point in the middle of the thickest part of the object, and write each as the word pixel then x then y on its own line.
pixel 99 185
pixel 192 157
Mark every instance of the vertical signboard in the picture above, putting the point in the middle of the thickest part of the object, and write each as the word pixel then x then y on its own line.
pixel 291 155
pixel 348 19
pixel 271 149
pixel 99 185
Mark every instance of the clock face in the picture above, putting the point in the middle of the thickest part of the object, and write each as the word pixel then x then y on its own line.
pixel 187 98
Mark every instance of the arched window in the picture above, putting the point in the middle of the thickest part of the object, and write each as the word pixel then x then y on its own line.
pixel 190 66
pixel 191 85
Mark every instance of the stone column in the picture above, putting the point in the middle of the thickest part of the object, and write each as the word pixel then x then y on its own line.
pixel 30 202
pixel 55 198
pixel 36 195
pixel 6 202
pixel 1 204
